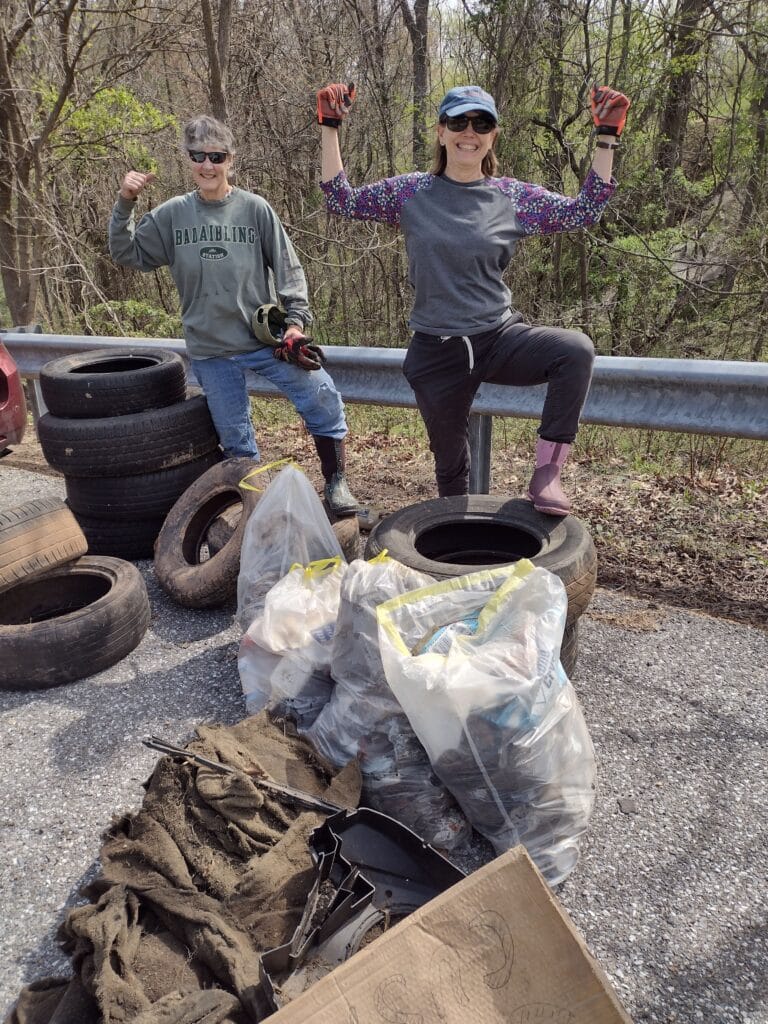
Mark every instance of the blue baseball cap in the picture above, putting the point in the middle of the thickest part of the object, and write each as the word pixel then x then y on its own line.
pixel 467 97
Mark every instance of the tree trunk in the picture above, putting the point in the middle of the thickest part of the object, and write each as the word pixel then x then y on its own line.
pixel 217 48
pixel 686 43
pixel 417 23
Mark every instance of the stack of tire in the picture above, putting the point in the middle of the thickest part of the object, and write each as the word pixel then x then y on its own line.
pixel 63 614
pixel 127 439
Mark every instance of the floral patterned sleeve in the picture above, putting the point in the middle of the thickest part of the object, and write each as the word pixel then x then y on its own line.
pixel 382 201
pixel 543 213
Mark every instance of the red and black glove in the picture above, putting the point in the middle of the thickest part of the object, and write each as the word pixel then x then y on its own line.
pixel 333 103
pixel 609 110
pixel 300 350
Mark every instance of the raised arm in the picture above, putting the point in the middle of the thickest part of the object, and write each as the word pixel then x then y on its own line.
pixel 333 103
pixel 330 153
pixel 380 201
pixel 609 115
pixel 541 212
pixel 143 245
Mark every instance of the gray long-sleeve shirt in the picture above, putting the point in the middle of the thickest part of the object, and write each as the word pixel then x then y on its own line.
pixel 460 237
pixel 227 258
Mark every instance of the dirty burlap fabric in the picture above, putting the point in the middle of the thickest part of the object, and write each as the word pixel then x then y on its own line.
pixel 209 874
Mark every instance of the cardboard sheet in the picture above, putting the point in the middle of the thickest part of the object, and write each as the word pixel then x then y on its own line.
pixel 497 948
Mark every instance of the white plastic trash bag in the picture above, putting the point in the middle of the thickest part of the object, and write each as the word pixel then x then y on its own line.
pixel 474 662
pixel 364 720
pixel 285 656
pixel 288 527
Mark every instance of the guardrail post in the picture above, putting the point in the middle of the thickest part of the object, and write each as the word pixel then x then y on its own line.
pixel 33 390
pixel 36 401
pixel 480 434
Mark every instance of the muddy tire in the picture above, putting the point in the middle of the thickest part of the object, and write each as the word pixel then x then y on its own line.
pixel 36 537
pixel 347 533
pixel 449 537
pixel 184 564
pixel 128 445
pixel 222 528
pixel 112 382
pixel 144 496
pixel 70 623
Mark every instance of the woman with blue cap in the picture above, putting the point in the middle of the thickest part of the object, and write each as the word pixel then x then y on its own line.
pixel 461 225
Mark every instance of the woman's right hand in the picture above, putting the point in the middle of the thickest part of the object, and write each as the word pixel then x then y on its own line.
pixel 135 182
pixel 333 103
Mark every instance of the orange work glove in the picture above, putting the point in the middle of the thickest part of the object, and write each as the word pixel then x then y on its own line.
pixel 609 110
pixel 333 103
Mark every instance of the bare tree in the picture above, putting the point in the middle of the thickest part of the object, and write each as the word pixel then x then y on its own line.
pixel 217 27
pixel 417 23
pixel 74 52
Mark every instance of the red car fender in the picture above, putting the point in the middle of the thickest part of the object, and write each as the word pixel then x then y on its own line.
pixel 13 406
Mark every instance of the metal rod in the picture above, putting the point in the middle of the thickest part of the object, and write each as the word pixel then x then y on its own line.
pixel 480 439
pixel 295 795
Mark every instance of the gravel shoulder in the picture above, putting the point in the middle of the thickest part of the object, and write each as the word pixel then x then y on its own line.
pixel 670 891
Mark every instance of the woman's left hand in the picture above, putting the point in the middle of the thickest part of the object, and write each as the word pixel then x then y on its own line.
pixel 609 110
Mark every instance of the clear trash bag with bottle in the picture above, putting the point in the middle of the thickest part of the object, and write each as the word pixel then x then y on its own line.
pixel 364 720
pixel 474 662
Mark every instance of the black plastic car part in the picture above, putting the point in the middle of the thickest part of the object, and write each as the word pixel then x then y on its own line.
pixel 370 869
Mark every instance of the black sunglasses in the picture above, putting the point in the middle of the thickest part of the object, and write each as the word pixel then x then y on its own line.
pixel 481 123
pixel 199 157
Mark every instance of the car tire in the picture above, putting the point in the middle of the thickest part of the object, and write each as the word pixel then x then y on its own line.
pixel 112 382
pixel 569 648
pixel 184 564
pixel 143 496
pixel 70 623
pixel 36 537
pixel 129 445
pixel 132 540
pixel 450 537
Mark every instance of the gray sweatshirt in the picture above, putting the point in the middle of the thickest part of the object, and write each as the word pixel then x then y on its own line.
pixel 227 258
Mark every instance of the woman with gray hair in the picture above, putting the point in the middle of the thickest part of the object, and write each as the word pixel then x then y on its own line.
pixel 233 264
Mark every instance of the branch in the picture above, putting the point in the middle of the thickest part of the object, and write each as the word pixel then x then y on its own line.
pixel 65 90
pixel 651 255
pixel 562 141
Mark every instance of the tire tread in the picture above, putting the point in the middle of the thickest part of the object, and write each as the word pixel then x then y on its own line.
pixel 129 445
pixel 37 537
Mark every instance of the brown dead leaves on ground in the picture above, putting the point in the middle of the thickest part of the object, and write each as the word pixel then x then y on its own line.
pixel 699 543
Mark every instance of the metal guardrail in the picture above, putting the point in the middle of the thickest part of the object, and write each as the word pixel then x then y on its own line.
pixel 697 396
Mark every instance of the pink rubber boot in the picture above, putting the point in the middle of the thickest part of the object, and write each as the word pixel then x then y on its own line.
pixel 544 490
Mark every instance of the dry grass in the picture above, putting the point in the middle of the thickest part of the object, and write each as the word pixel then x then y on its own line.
pixel 679 520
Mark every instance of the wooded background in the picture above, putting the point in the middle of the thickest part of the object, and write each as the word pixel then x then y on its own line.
pixel 677 266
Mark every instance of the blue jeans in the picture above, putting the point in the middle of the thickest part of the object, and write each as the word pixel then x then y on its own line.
pixel 223 379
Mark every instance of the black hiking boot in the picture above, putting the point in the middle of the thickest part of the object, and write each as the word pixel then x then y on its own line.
pixel 338 497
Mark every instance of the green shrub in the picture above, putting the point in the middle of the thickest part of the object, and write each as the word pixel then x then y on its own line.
pixel 129 319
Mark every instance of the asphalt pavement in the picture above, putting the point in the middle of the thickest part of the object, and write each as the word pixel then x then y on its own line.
pixel 670 893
